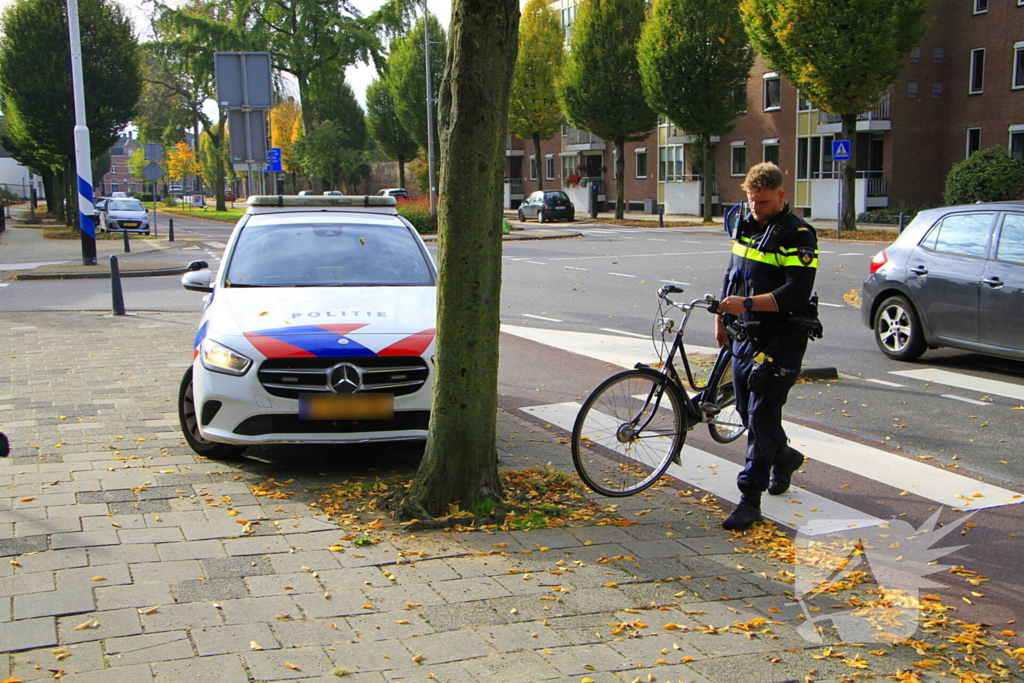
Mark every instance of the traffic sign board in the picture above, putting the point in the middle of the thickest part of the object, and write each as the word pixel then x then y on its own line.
pixel 841 150
pixel 153 172
pixel 273 160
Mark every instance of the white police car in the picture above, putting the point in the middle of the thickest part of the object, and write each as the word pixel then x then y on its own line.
pixel 318 328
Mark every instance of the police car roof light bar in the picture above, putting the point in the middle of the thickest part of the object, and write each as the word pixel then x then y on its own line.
pixel 279 200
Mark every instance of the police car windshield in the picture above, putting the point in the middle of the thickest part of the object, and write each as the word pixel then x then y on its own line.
pixel 125 205
pixel 327 255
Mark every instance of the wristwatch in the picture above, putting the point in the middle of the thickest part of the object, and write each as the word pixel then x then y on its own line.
pixel 748 303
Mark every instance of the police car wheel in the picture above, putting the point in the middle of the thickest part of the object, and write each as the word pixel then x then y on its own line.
pixel 189 421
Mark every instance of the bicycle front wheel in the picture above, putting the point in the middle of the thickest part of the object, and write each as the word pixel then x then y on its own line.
pixel 628 432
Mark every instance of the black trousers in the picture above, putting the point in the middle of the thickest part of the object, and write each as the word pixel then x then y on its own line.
pixel 762 411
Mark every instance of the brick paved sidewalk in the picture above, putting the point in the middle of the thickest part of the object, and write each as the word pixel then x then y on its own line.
pixel 127 559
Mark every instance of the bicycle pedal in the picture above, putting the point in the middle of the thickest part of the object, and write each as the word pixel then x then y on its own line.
pixel 709 408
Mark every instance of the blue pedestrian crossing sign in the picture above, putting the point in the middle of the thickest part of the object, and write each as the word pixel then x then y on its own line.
pixel 841 150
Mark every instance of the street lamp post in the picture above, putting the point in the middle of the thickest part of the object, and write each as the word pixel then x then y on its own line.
pixel 83 163
pixel 431 170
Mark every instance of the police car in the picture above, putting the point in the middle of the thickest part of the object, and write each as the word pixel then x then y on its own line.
pixel 318 328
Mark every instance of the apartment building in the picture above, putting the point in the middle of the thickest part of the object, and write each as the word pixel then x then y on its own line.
pixel 961 90
pixel 119 177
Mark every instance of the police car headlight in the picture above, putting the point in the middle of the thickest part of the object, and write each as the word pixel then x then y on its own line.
pixel 219 358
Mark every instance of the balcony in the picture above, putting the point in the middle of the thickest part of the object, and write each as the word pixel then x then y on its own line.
pixel 580 141
pixel 510 149
pixel 515 186
pixel 877 119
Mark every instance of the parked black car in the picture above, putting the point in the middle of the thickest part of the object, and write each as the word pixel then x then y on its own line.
pixel 954 277
pixel 545 205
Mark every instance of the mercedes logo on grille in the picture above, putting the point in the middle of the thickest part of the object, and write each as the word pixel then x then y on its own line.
pixel 345 378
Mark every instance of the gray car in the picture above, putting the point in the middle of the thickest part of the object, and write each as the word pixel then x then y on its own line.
pixel 128 215
pixel 954 277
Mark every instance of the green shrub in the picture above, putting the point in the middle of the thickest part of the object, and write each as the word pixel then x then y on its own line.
pixel 145 196
pixel 891 215
pixel 506 227
pixel 417 212
pixel 989 175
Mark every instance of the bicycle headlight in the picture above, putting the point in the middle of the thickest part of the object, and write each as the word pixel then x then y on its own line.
pixel 666 324
pixel 219 358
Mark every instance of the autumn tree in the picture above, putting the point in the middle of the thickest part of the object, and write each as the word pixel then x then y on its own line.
pixel 600 88
pixel 406 69
pixel 385 128
pixel 533 111
pixel 181 161
pixel 842 56
pixel 285 131
pixel 461 459
pixel 693 56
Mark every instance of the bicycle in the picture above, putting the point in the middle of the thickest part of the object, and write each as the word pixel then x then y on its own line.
pixel 633 425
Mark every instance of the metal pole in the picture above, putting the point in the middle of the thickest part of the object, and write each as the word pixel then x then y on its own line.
pixel 839 200
pixel 154 207
pixel 117 296
pixel 170 230
pixel 431 169
pixel 83 163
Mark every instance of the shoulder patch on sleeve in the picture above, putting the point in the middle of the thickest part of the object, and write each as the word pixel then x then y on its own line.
pixel 805 254
pixel 802 229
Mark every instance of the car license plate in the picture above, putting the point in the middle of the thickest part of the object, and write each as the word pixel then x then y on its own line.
pixel 346 406
pixel 130 225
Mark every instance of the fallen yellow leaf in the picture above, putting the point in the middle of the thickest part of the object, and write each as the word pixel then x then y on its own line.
pixel 292 666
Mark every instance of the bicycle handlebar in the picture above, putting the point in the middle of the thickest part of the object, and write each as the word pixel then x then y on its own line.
pixel 708 301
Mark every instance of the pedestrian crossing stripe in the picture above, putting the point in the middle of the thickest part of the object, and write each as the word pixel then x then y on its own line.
pixel 989 387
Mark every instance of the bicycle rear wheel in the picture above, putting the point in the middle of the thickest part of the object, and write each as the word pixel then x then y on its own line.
pixel 628 432
pixel 726 425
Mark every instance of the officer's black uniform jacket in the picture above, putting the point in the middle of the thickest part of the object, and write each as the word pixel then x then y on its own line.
pixel 780 260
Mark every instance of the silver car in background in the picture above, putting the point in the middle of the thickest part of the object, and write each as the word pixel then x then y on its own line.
pixel 124 215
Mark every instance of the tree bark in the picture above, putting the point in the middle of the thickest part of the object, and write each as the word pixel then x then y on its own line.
pixel 540 168
pixel 620 171
pixel 848 221
pixel 401 170
pixel 460 464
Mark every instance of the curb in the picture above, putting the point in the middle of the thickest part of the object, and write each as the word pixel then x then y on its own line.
pixel 105 275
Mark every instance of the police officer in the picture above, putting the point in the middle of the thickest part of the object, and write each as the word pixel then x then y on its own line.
pixel 770 280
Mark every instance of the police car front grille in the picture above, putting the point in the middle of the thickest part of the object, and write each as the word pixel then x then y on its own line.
pixel 289 377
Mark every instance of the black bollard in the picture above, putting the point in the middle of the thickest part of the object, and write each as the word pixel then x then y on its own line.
pixel 117 307
pixel 127 247
pixel 661 215
pixel 170 230
pixel 903 220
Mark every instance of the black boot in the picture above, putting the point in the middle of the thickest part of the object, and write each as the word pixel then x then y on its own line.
pixel 783 469
pixel 5 446
pixel 746 513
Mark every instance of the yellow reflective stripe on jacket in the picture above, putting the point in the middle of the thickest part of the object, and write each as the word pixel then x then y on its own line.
pixel 787 257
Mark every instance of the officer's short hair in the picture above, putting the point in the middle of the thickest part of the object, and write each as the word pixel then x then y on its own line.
pixel 763 176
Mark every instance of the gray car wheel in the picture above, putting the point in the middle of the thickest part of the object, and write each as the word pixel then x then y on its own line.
pixel 521 216
pixel 898 329
pixel 540 216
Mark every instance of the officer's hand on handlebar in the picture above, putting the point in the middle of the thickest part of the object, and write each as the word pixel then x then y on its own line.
pixel 721 336
pixel 732 304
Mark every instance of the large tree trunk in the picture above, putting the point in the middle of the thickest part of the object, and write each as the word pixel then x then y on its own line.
pixel 49 190
pixel 401 170
pixel 620 178
pixel 707 175
pixel 461 462
pixel 540 168
pixel 848 221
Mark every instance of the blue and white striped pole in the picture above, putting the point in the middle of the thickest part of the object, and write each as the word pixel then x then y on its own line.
pixel 83 158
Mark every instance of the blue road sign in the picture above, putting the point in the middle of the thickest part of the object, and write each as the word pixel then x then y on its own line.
pixel 273 160
pixel 841 150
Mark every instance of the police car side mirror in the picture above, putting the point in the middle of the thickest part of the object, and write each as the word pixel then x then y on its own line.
pixel 197 280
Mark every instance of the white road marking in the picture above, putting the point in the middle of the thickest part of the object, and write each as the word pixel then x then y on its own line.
pixel 540 317
pixel 621 274
pixel 822 303
pixel 215 245
pixel 655 239
pixel 718 476
pixel 5 284
pixel 617 350
pixel 852 253
pixel 537 263
pixel 966 400
pixel 676 282
pixel 585 270
pixel 953 379
pixel 628 334
pixel 884 383
pixel 933 483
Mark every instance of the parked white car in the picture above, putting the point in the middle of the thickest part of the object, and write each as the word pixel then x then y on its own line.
pixel 319 328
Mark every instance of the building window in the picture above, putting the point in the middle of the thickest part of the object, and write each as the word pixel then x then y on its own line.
pixel 740 98
pixel 915 55
pixel 117 151
pixel 1018 65
pixel 803 104
pixel 533 168
pixel 1017 141
pixel 977 71
pixel 936 89
pixel 772 91
pixel 938 54
pixel 569 163
pixel 770 151
pixel 814 157
pixel 113 186
pixel 980 6
pixel 911 89
pixel 549 167
pixel 739 158
pixel 670 163
pixel 641 163
pixel 113 169
pixel 973 140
